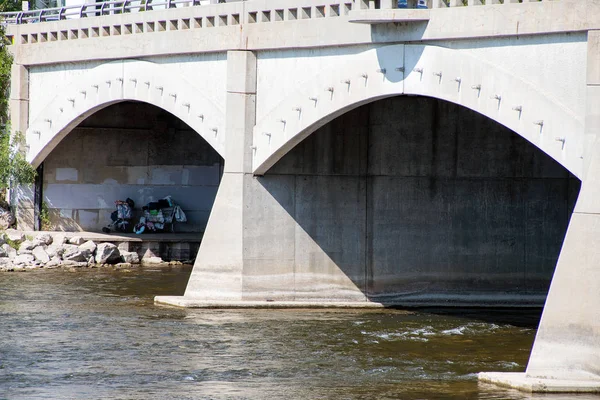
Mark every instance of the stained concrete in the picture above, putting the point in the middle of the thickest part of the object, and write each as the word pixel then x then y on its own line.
pixel 129 150
pixel 416 201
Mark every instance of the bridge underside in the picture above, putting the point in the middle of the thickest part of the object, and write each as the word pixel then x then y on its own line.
pixel 127 150
pixel 405 201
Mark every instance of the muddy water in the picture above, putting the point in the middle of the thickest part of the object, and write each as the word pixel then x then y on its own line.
pixel 96 334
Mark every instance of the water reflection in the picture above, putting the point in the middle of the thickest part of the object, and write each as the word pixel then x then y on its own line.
pixel 96 334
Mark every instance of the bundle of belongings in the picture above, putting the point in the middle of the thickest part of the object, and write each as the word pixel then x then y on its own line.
pixel 121 217
pixel 159 216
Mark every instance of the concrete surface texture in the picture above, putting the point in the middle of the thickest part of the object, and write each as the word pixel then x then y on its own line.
pixel 129 150
pixel 408 200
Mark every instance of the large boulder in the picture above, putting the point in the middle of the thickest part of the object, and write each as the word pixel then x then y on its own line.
pixel 54 262
pixel 77 240
pixel 27 245
pixel 14 235
pixel 89 246
pixel 43 239
pixel 11 253
pixel 107 253
pixel 130 257
pixel 55 250
pixel 40 254
pixel 59 239
pixel 74 253
pixel 152 260
pixel 24 259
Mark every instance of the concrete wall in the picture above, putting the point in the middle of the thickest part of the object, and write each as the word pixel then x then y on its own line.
pixel 414 200
pixel 129 150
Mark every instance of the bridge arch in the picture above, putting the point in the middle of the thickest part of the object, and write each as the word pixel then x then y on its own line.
pixel 115 82
pixel 452 75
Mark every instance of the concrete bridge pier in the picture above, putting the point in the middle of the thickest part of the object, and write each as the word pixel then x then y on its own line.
pixel 217 274
pixel 247 255
pixel 566 352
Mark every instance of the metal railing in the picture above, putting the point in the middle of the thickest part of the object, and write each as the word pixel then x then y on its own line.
pixel 91 10
pixel 134 6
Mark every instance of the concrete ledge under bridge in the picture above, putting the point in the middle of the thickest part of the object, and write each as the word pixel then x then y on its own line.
pixel 180 301
pixel 522 382
pixel 441 300
pixel 168 246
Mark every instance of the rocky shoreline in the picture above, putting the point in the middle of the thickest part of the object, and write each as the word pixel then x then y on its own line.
pixel 19 252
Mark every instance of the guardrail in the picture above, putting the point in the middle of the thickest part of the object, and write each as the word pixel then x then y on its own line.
pixel 133 6
pixel 92 10
pixel 390 4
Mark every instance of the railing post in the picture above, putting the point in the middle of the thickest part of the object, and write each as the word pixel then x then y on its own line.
pixel 436 4
pixel 456 3
pixel 386 4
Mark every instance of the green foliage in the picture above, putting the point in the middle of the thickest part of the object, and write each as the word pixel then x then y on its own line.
pixel 10 5
pixel 45 223
pixel 12 243
pixel 5 65
pixel 14 169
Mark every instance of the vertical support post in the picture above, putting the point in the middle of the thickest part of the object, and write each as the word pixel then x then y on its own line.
pixel 217 273
pixel 360 4
pixel 38 198
pixel 456 3
pixel 436 4
pixel 388 4
pixel 21 198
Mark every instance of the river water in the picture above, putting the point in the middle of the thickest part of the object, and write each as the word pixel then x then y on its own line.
pixel 96 334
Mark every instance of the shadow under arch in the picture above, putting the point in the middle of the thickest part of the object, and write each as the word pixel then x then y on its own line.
pixel 114 82
pixel 453 75
pixel 129 150
pixel 446 207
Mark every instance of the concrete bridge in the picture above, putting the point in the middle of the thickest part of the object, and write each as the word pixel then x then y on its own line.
pixel 339 153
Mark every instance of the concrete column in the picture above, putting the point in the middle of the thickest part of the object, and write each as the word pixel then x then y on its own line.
pixel 21 198
pixel 436 4
pixel 217 273
pixel 567 345
pixel 566 352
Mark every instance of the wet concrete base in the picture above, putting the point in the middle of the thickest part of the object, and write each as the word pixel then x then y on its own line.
pixel 181 301
pixel 483 301
pixel 522 382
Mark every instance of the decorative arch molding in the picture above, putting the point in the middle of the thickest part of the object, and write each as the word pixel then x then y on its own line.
pixel 114 82
pixel 456 76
